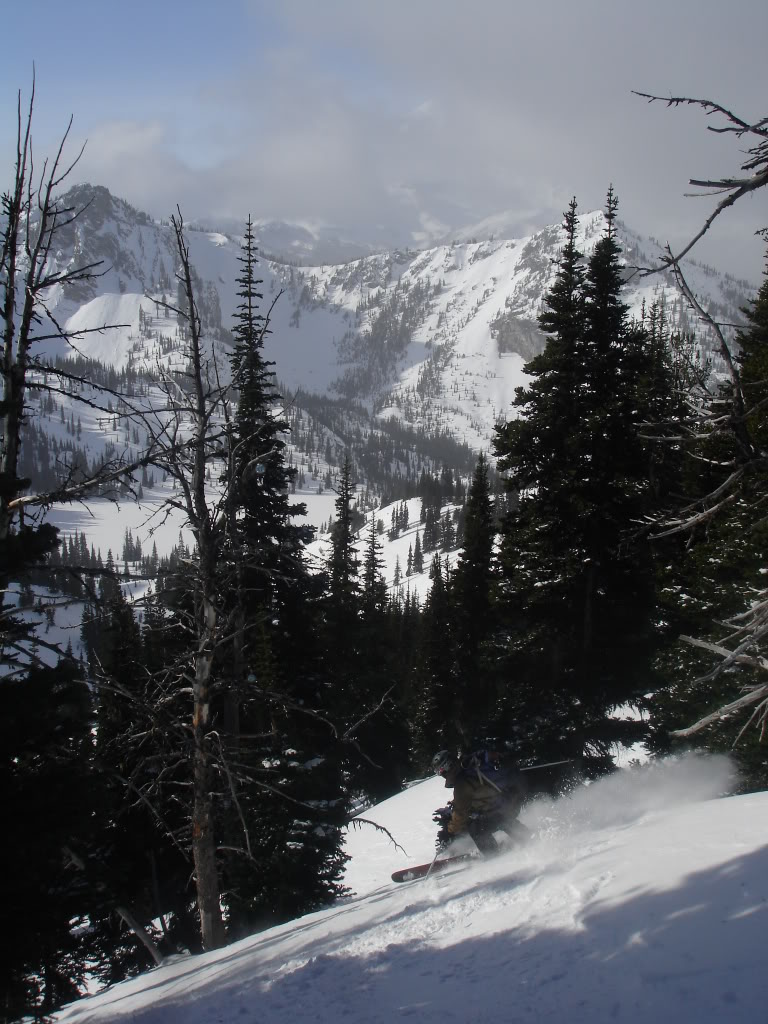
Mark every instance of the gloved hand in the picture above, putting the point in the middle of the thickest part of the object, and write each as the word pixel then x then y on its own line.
pixel 442 815
pixel 444 838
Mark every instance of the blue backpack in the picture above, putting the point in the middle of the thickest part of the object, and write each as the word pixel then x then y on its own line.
pixel 493 768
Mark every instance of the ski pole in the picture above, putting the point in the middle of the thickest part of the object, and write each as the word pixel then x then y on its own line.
pixel 549 764
pixel 434 859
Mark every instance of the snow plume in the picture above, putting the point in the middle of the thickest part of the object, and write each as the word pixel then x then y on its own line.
pixel 628 795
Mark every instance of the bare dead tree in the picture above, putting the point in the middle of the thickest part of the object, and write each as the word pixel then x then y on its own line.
pixel 33 218
pixel 741 648
pixel 726 412
pixel 193 440
pixel 197 399
pixel 754 169
pixel 32 221
pixel 187 437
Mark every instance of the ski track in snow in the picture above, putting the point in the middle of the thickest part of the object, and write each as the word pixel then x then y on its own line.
pixel 644 898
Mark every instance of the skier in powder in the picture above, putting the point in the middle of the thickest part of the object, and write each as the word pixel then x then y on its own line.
pixel 487 798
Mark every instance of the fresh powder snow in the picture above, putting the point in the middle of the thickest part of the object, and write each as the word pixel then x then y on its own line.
pixel 643 897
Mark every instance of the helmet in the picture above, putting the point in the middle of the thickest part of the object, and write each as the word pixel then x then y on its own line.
pixel 443 762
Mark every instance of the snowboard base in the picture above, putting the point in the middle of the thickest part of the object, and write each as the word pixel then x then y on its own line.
pixel 422 870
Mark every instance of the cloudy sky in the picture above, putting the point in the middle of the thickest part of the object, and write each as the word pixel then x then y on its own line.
pixel 401 121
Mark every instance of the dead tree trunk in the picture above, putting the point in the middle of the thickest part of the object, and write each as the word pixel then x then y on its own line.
pixel 206 624
pixel 203 829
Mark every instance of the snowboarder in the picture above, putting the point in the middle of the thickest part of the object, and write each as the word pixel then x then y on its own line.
pixel 487 797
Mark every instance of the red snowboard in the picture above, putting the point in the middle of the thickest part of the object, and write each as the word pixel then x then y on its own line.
pixel 422 870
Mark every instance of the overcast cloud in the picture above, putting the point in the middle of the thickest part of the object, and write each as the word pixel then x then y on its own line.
pixel 405 121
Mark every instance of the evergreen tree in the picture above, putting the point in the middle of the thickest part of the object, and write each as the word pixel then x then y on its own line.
pixel 368 661
pixel 552 399
pixel 268 796
pixel 260 430
pixel 374 585
pixel 752 343
pixel 48 783
pixel 438 710
pixel 381 666
pixel 291 862
pixel 580 586
pixel 133 861
pixel 344 563
pixel 264 544
pixel 398 574
pixel 418 555
pixel 472 604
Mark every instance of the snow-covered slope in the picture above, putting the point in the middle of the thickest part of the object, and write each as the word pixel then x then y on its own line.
pixel 393 551
pixel 643 898
pixel 437 337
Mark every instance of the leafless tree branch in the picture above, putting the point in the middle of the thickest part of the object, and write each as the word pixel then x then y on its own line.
pixel 734 187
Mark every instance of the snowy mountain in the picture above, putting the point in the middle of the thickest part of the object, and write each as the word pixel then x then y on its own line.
pixel 406 358
pixel 436 338
pixel 304 244
pixel 641 897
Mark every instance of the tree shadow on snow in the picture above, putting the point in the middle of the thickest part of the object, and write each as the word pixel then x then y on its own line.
pixel 691 953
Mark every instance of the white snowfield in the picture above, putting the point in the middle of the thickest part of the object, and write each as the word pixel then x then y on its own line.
pixel 644 900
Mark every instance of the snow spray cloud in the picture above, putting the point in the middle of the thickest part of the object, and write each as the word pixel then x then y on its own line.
pixel 627 795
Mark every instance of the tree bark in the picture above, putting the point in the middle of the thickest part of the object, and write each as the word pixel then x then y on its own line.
pixel 203 833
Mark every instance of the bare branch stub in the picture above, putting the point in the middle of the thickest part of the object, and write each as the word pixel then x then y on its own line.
pixel 755 166
pixel 729 414
pixel 359 822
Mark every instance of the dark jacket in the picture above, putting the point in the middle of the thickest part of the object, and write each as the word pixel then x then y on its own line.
pixel 477 793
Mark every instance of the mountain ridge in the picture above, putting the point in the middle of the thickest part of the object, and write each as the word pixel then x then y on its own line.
pixel 435 337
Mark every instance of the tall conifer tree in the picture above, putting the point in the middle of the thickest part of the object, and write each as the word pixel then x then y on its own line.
pixel 472 606
pixel 438 722
pixel 579 584
pixel 292 857
pixel 344 562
